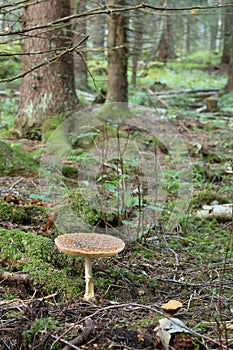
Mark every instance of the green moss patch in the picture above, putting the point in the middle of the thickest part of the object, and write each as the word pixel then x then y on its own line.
pixel 31 214
pixel 26 252
pixel 14 161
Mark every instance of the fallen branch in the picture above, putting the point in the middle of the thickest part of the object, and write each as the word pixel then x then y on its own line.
pixel 221 212
pixel 72 346
pixel 15 277
pixel 10 189
pixel 84 336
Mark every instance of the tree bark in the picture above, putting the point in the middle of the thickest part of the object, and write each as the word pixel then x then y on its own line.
pixel 219 32
pixel 80 65
pixel 229 84
pixel 228 29
pixel 166 46
pixel 117 54
pixel 50 89
pixel 99 32
pixel 186 35
pixel 160 27
pixel 137 44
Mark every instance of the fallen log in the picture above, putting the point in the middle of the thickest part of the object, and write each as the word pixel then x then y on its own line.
pixel 223 212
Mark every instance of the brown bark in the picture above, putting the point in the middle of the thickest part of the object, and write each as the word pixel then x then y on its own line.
pixel 117 54
pixel 228 28
pixel 166 45
pixel 229 84
pixel 50 89
pixel 186 35
pixel 80 57
pixel 137 45
pixel 99 31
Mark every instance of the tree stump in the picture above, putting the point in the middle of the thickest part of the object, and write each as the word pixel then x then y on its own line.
pixel 211 104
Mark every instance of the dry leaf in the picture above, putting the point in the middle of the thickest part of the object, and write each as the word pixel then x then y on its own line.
pixel 167 327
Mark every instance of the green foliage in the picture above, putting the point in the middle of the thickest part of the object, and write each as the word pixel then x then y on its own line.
pixel 38 326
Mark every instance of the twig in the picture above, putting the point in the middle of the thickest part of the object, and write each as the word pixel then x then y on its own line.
pixel 7 302
pixel 109 10
pixel 9 189
pixel 62 341
pixel 189 284
pixel 84 336
pixel 45 62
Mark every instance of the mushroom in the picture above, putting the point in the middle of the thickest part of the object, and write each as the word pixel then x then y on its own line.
pixel 171 307
pixel 89 245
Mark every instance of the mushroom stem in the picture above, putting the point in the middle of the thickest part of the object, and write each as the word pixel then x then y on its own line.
pixel 89 292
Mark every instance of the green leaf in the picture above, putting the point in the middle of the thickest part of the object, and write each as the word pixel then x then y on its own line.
pixel 154 208
pixel 88 134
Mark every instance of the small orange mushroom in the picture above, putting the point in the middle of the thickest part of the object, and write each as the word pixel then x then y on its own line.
pixel 171 307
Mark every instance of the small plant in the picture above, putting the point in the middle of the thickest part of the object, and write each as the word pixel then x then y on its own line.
pixel 38 326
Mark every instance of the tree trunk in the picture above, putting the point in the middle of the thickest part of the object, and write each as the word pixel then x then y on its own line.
pixel 186 36
pixel 99 32
pixel 137 44
pixel 166 46
pixel 117 54
pixel 159 31
pixel 219 32
pixel 49 89
pixel 80 60
pixel 228 29
pixel 229 85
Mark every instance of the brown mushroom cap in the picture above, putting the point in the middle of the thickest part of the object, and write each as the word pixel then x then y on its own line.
pixel 172 306
pixel 92 245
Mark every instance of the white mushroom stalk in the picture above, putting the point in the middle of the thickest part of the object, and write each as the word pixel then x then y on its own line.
pixel 89 291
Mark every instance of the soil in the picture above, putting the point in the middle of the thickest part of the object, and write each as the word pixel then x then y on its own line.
pixel 192 264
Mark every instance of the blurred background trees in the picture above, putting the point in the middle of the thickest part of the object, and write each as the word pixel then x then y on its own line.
pixel 55 49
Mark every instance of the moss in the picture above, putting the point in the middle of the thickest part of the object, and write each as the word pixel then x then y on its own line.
pixel 31 214
pixel 79 203
pixel 207 197
pixel 5 211
pixel 14 161
pixel 50 124
pixel 19 215
pixel 37 256
pixel 113 111
pixel 36 214
pixel 69 171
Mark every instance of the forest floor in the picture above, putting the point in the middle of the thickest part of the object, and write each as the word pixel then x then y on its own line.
pixel 193 263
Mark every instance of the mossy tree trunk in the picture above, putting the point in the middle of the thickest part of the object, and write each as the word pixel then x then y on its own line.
pixel 117 90
pixel 49 89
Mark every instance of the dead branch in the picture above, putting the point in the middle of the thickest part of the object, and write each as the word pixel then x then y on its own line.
pixel 15 277
pixel 84 336
pixel 72 346
pixel 204 92
pixel 10 189
pixel 110 10
pixel 45 62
